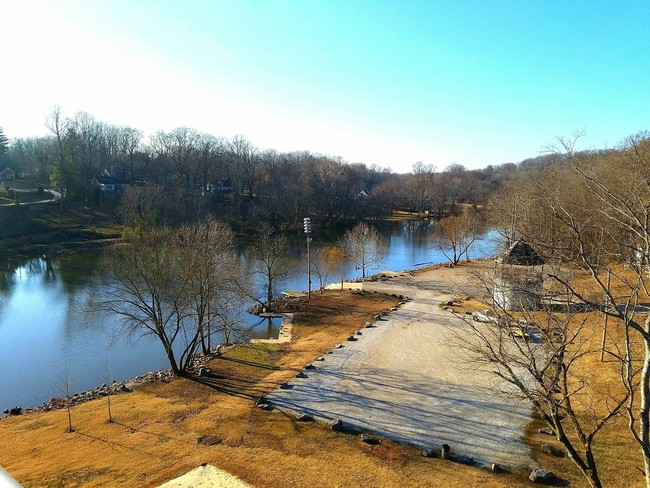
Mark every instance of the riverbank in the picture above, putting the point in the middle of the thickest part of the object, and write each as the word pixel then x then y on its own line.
pixel 36 230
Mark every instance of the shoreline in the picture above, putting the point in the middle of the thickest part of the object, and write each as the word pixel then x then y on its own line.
pixel 115 388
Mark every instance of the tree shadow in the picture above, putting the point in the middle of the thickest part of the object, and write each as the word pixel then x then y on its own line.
pixel 250 389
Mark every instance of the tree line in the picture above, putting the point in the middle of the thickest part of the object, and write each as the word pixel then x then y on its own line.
pixel 184 174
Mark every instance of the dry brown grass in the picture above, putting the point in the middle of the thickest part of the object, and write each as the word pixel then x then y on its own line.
pixel 617 454
pixel 157 426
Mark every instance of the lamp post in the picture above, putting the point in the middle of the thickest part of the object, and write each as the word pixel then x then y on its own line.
pixel 307 222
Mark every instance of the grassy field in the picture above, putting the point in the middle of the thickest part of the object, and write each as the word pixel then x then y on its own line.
pixel 154 437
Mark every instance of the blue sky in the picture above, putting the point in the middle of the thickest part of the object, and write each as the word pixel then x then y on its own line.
pixel 386 83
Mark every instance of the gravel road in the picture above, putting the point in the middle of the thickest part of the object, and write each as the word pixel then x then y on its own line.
pixel 405 380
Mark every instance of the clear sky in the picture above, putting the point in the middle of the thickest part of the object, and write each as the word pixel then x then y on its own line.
pixel 380 82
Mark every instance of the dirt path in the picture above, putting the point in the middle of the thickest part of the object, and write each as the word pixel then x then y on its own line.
pixel 404 379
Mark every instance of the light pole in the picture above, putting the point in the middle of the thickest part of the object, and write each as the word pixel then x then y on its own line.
pixel 307 222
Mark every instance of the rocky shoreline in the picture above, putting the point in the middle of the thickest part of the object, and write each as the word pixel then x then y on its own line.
pixel 116 388
pixel 104 390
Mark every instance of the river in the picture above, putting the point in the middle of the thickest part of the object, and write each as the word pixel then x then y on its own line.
pixel 46 332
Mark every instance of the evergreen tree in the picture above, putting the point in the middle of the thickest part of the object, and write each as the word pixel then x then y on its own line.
pixel 4 145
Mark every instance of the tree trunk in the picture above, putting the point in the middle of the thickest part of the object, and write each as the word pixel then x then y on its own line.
pixel 172 359
pixel 644 416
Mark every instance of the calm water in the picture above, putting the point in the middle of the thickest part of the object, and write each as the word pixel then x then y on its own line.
pixel 45 331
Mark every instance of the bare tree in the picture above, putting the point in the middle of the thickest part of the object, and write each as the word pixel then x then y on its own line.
pixel 61 161
pixel 270 252
pixel 141 207
pixel 64 387
pixel 457 234
pixel 144 291
pixel 422 186
pixel 591 213
pixel 622 251
pixel 107 382
pixel 364 247
pixel 86 136
pixel 324 260
pixel 206 251
pixel 128 143
pixel 535 355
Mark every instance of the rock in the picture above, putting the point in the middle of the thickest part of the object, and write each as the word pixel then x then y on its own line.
pixel 539 475
pixel 552 450
pixel 310 366
pixel 450 303
pixel 368 439
pixel 339 426
pixel 261 401
pixel 209 440
pixel 359 332
pixel 305 418
pixel 301 375
pixel 445 452
pixel 430 453
pixel 495 468
pixel 546 430
pixel 15 411
pixel 339 346
pixel 320 359
pixel 203 371
pixel 465 460
pixel 352 338
pixel 265 406
pixel 286 386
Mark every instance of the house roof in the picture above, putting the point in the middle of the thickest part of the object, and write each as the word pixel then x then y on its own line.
pixel 6 171
pixel 522 254
pixel 110 180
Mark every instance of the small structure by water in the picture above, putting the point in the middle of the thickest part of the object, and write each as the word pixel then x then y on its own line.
pixel 518 279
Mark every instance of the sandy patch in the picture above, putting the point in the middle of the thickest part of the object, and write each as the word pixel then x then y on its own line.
pixel 206 477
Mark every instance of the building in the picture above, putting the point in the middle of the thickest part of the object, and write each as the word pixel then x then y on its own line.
pixel 109 186
pixel 518 280
pixel 7 174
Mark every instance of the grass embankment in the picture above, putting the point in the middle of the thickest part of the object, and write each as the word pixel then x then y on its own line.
pixel 154 437
pixel 32 230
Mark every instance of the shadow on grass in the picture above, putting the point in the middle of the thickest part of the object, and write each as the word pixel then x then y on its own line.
pixel 117 444
pixel 250 389
pixel 257 365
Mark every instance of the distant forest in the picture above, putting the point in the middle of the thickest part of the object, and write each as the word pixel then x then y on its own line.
pixel 184 174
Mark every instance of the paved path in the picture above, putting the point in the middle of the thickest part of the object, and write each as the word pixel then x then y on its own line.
pixel 406 381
